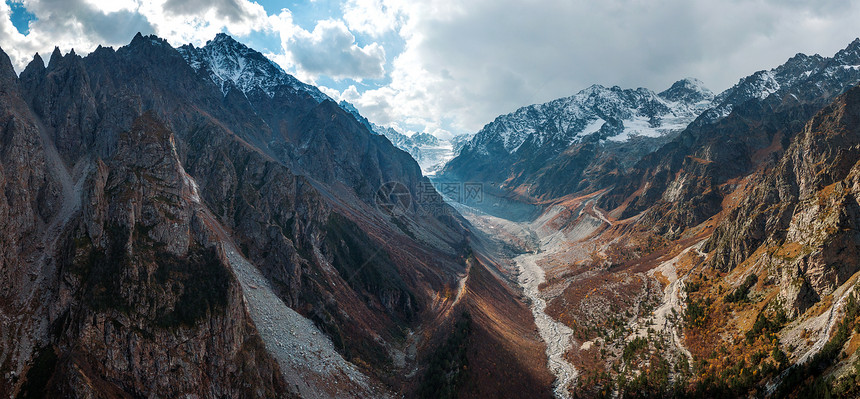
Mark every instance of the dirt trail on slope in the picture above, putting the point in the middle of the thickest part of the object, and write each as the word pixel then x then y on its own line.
pixel 666 318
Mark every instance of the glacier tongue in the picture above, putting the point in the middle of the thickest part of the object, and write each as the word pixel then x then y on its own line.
pixel 430 152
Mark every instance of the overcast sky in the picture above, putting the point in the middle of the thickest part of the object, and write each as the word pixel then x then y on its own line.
pixel 451 66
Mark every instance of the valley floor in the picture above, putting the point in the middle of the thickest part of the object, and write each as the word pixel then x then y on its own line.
pixel 557 336
pixel 544 262
pixel 529 276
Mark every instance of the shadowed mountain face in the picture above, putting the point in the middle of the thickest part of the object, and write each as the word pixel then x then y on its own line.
pixel 195 221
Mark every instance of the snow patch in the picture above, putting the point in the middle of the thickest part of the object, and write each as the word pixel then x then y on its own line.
pixel 592 127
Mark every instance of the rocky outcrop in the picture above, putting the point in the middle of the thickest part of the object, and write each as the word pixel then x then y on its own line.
pixel 29 212
pixel 152 308
pixel 804 214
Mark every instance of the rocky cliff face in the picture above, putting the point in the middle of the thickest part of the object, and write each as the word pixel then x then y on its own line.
pixel 147 303
pixel 804 211
pixel 778 266
pixel 30 211
pixel 171 230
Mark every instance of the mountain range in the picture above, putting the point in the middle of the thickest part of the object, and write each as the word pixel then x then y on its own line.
pixel 197 222
pixel 572 143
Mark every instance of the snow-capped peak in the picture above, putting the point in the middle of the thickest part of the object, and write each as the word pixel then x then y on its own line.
pixel 690 90
pixel 232 64
pixel 613 113
pixel 849 55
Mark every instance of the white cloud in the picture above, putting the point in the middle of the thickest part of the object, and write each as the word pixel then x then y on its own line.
pixel 85 24
pixel 374 17
pixel 109 6
pixel 68 24
pixel 331 50
pixel 466 62
pixel 197 21
pixel 333 93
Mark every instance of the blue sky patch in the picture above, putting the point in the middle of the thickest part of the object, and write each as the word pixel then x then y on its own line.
pixel 20 17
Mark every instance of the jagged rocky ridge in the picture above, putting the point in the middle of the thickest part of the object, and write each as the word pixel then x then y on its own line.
pixel 163 206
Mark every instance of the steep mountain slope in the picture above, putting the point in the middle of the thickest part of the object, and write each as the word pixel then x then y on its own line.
pixel 806 201
pixel 198 222
pixel 787 251
pixel 142 273
pixel 30 219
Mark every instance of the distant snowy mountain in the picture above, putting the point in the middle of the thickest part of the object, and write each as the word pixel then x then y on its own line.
pixel 610 113
pixel 231 64
pixel 458 141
